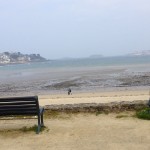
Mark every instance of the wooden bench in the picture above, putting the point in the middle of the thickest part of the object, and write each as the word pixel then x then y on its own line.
pixel 28 106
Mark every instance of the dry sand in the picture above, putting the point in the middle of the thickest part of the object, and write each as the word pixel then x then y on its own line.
pixel 98 97
pixel 81 131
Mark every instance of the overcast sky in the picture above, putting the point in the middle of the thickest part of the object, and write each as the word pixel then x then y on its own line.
pixel 74 28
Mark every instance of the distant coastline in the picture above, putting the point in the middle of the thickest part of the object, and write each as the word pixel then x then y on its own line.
pixel 9 58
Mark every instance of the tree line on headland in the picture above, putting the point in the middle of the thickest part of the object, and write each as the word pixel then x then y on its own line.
pixel 17 58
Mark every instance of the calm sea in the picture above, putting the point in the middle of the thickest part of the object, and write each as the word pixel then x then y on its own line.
pixel 77 63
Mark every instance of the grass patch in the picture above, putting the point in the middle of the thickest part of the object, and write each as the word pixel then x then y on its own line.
pixel 48 114
pixel 32 129
pixel 122 116
pixel 143 114
pixel 23 129
pixel 28 129
pixel 102 112
pixel 51 114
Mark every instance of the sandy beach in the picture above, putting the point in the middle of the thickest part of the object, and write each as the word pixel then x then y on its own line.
pixel 79 132
pixel 83 131
pixel 97 97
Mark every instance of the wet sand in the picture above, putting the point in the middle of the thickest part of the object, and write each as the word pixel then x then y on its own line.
pixel 80 80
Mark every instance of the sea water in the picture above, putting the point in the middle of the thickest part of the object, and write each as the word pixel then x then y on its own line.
pixel 81 62
pixel 24 70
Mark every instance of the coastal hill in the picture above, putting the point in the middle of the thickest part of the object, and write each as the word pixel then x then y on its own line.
pixel 17 58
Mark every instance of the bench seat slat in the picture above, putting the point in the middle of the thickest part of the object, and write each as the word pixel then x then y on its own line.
pixel 11 100
pixel 17 103
pixel 22 106
pixel 18 113
pixel 22 112
pixel 18 99
pixel 17 109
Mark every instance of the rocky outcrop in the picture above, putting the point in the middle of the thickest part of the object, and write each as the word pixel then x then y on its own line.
pixel 17 57
pixel 99 107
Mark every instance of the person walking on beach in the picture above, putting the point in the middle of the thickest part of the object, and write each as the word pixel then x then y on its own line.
pixel 69 91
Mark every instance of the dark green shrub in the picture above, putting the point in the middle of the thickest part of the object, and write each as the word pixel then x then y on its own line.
pixel 144 114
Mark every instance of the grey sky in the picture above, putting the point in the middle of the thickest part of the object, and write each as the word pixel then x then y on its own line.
pixel 74 28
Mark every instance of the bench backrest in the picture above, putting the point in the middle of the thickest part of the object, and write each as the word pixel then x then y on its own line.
pixel 19 106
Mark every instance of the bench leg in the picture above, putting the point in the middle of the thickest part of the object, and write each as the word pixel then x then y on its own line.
pixel 39 125
pixel 42 123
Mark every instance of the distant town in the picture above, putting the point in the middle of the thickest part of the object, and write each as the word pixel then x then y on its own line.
pixel 140 53
pixel 19 58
